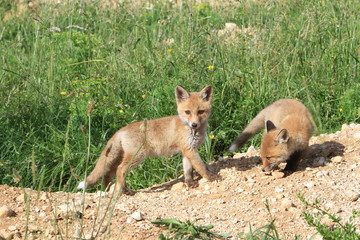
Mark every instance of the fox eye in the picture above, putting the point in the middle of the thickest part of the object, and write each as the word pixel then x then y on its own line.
pixel 268 158
pixel 187 112
pixel 201 112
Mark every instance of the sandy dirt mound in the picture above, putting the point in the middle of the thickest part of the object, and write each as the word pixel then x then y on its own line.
pixel 330 172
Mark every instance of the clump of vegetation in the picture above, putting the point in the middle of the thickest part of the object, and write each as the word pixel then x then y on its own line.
pixel 187 230
pixel 338 230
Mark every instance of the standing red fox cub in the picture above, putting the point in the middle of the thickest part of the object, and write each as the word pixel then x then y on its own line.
pixel 183 133
pixel 288 128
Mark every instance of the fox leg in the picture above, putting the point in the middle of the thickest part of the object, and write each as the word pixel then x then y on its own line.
pixel 188 173
pixel 194 158
pixel 293 161
pixel 129 162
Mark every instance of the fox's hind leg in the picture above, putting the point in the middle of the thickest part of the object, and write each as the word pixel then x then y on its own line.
pixel 129 162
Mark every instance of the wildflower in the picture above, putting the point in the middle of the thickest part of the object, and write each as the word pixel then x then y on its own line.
pixel 143 96
pixel 121 111
pixel 211 136
pixel 211 67
pixel 169 50
pixel 302 76
pixel 340 109
pixel 296 99
pixel 63 93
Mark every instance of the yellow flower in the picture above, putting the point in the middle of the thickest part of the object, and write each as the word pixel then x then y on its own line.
pixel 302 76
pixel 121 111
pixel 63 93
pixel 211 67
pixel 340 109
pixel 169 50
pixel 211 136
pixel 143 96
pixel 296 99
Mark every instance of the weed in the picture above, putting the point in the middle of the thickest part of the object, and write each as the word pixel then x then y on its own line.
pixel 188 230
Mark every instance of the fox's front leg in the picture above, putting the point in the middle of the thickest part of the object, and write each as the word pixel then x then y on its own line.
pixel 188 173
pixel 192 159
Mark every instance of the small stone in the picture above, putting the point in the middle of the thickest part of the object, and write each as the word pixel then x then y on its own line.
pixel 12 228
pixel 130 220
pixel 5 211
pixel 278 175
pixel 177 186
pixel 240 190
pixel 278 190
pixel 287 203
pixel 320 161
pixel 251 149
pixel 207 187
pixel 351 195
pixel 238 155
pixel 309 184
pixel 357 135
pixel 137 216
pixel 336 159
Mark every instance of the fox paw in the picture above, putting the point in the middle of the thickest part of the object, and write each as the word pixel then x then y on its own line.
pixel 191 184
pixel 214 177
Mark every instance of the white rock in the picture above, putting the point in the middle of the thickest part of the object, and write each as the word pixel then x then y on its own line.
pixel 336 159
pixel 12 228
pixel 137 216
pixel 5 211
pixel 279 190
pixel 251 149
pixel 240 190
pixel 357 135
pixel 309 184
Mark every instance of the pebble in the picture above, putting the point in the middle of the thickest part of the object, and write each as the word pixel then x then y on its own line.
pixel 278 175
pixel 357 135
pixel 137 216
pixel 287 203
pixel 278 190
pixel 177 186
pixel 5 211
pixel 319 161
pixel 336 159
pixel 351 195
pixel 309 184
pixel 251 149
pixel 12 228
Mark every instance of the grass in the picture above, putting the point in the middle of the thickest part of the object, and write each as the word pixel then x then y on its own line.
pixel 57 58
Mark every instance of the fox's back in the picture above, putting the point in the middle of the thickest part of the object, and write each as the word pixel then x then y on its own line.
pixel 291 115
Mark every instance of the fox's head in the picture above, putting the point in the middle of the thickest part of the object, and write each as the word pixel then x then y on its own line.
pixel 194 108
pixel 274 147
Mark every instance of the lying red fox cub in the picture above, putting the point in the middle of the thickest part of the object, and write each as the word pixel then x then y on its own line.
pixel 288 128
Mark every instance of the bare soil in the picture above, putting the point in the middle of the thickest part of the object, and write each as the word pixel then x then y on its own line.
pixel 331 172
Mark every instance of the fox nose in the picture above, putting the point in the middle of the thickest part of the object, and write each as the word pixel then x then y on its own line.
pixel 194 125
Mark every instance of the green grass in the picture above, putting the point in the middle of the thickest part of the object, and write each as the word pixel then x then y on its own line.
pixel 121 60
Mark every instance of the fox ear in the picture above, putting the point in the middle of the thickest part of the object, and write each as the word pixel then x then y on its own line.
pixel 181 94
pixel 206 93
pixel 283 136
pixel 270 126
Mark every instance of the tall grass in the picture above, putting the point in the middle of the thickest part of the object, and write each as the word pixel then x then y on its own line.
pixel 56 58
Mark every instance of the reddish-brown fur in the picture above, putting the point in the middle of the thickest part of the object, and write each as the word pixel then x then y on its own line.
pixel 288 128
pixel 132 144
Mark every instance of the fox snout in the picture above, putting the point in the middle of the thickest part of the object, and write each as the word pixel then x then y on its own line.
pixel 194 125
